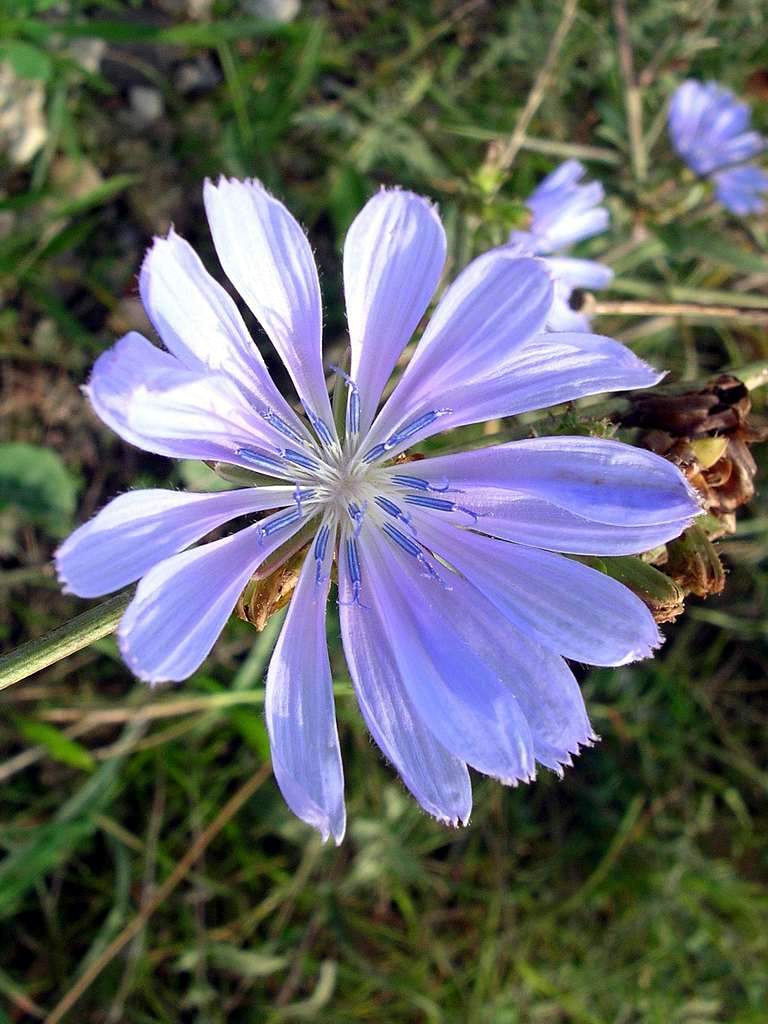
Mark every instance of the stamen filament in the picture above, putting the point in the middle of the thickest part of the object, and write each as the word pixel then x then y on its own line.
pixel 266 463
pixel 287 518
pixel 300 459
pixel 282 426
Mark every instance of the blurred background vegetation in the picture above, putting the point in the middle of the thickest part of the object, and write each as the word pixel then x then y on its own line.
pixel 633 891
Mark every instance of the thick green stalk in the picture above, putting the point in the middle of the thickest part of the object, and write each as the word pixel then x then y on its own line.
pixel 73 636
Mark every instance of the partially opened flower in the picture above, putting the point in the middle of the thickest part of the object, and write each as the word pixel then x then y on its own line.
pixel 565 211
pixel 457 605
pixel 710 129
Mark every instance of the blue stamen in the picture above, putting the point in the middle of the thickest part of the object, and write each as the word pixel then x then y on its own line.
pixel 415 426
pixel 395 511
pixel 320 428
pixel 407 432
pixel 424 501
pixel 287 518
pixel 302 494
pixel 353 568
pixel 357 514
pixel 353 401
pixel 266 463
pixel 353 410
pixel 412 548
pixel 389 506
pixel 376 452
pixel 321 542
pixel 353 561
pixel 281 425
pixel 299 459
pixel 417 484
pixel 321 546
pixel 408 545
pixel 440 505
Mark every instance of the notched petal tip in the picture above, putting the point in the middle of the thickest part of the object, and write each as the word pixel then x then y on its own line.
pixel 327 831
pixel 512 782
pixel 646 649
pixel 61 575
pixel 59 555
pixel 329 823
pixel 455 823
pixel 397 191
pixel 565 760
pixel 129 657
pixel 224 183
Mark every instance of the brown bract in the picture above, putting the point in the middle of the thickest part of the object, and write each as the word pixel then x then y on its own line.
pixel 707 433
pixel 263 597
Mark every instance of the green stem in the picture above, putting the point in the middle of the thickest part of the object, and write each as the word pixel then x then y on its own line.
pixel 73 636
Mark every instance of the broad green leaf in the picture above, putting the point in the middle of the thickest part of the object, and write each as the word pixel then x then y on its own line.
pixel 60 747
pixel 27 60
pixel 36 481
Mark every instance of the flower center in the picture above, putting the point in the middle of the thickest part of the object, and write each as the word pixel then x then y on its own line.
pixel 346 485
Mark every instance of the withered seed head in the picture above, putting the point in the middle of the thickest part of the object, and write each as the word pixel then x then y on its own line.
pixel 706 433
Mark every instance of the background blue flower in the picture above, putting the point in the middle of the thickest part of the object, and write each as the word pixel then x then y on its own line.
pixel 710 129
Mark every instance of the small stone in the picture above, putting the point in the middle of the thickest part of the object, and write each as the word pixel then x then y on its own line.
pixel 199 75
pixel 273 10
pixel 45 337
pixel 200 10
pixel 23 130
pixel 87 53
pixel 146 103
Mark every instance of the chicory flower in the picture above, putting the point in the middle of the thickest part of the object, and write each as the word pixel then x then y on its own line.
pixel 564 210
pixel 457 602
pixel 710 130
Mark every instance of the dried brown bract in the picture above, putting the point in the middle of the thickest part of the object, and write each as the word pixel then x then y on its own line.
pixel 266 595
pixel 707 433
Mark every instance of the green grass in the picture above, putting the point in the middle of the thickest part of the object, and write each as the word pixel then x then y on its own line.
pixel 635 890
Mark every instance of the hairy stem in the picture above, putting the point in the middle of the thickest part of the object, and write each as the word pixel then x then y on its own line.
pixel 73 636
